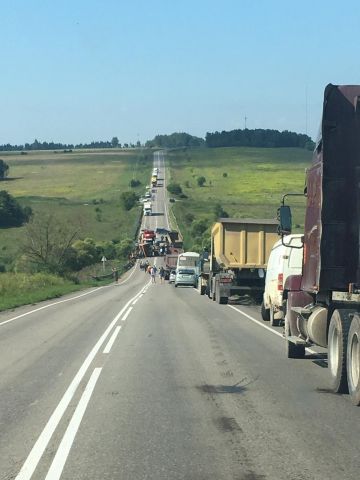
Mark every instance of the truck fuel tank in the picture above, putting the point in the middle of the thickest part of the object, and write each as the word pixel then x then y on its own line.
pixel 317 326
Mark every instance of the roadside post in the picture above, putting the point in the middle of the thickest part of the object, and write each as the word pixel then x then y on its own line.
pixel 103 262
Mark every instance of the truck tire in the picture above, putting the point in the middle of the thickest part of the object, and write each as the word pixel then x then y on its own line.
pixel 175 285
pixel 221 300
pixel 293 350
pixel 273 321
pixel 353 360
pixel 337 348
pixel 265 312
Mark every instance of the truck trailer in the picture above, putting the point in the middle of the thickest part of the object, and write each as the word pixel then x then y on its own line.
pixel 237 262
pixel 323 303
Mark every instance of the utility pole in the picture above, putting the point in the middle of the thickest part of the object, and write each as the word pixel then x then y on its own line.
pixel 245 118
pixel 306 109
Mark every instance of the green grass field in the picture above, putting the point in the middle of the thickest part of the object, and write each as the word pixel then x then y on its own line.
pixel 254 181
pixel 82 188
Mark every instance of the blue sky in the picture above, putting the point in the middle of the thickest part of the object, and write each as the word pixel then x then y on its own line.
pixel 76 71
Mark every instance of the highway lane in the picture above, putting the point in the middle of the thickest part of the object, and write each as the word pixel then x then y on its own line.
pixel 188 389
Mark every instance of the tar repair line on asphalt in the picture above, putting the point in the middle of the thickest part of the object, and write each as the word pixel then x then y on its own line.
pixel 64 301
pixel 310 350
pixel 44 438
pixel 62 453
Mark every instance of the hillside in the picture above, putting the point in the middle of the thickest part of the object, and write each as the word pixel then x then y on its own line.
pixel 79 188
pixel 243 182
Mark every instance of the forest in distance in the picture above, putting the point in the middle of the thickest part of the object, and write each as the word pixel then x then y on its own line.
pixel 260 138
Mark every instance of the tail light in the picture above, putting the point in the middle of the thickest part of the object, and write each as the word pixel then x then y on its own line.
pixel 280 282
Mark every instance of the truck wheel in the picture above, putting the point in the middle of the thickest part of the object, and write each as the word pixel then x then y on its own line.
pixel 265 312
pixel 223 300
pixel 293 350
pixel 353 360
pixel 175 285
pixel 337 348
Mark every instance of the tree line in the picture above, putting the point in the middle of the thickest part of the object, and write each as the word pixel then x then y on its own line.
pixel 258 138
pixel 36 145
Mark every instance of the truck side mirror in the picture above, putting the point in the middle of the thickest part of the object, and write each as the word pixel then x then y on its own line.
pixel 284 217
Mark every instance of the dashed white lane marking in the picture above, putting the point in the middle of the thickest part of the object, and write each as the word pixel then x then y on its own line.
pixel 310 350
pixel 62 453
pixel 127 314
pixel 112 339
pixel 41 443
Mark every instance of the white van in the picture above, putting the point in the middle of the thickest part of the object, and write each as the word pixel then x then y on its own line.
pixel 283 261
pixel 147 208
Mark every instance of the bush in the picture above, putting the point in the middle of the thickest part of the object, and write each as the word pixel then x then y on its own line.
pixel 174 188
pixel 129 199
pixel 189 217
pixel 134 183
pixel 124 248
pixel 201 181
pixel 182 195
pixel 219 212
pixel 199 227
pixel 12 214
pixel 225 174
pixel 187 184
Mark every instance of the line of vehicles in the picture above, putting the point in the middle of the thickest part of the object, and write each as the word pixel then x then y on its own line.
pixel 150 190
pixel 308 281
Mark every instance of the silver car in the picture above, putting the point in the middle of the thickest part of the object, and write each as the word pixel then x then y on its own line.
pixel 185 276
pixel 172 276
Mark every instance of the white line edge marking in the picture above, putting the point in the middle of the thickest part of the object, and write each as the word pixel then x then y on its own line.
pixel 127 314
pixel 112 339
pixel 41 443
pixel 310 350
pixel 256 321
pixel 62 453
pixel 63 301
pixel 134 302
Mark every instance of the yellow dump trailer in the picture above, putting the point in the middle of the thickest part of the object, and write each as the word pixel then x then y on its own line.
pixel 240 249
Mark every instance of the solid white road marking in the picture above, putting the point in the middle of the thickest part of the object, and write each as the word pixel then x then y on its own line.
pixel 64 301
pixel 62 453
pixel 50 305
pixel 310 350
pixel 131 274
pixel 112 339
pixel 134 303
pixel 41 443
pixel 256 321
pixel 127 314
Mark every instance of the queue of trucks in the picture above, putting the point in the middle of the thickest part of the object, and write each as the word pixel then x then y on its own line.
pixel 310 281
pixel 313 282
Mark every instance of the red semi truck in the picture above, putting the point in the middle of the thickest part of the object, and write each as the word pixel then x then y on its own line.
pixel 323 303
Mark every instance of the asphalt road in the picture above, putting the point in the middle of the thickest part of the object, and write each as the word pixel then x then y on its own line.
pixel 145 381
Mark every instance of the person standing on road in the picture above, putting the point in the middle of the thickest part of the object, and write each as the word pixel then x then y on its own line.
pixel 153 271
pixel 161 274
pixel 115 274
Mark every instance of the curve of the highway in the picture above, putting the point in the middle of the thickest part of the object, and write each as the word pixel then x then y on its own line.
pixel 144 381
